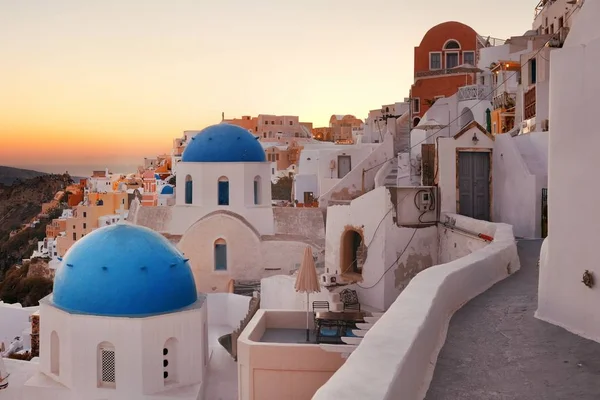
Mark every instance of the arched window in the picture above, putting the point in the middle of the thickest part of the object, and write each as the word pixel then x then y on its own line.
pixel 257 188
pixel 54 354
pixel 223 191
pixel 220 255
pixel 451 50
pixel 416 121
pixel 107 375
pixel 170 361
pixel 451 45
pixel 189 187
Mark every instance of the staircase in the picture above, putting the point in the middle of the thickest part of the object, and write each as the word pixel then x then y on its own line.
pixel 352 342
pixel 392 177
pixel 229 341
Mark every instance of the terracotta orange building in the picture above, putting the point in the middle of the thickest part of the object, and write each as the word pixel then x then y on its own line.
pixel 443 48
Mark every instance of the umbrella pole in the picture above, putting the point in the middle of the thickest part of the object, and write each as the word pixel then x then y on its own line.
pixel 307 311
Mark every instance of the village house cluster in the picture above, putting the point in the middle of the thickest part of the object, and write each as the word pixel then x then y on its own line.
pixel 185 280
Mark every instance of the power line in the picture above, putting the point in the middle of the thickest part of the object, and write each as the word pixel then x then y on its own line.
pixel 394 263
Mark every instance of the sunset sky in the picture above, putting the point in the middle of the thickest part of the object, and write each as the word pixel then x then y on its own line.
pixel 89 84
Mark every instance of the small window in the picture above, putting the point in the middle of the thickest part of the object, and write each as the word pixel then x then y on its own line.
pixel 84 214
pixel 74 236
pixel 276 157
pixel 435 61
pixel 169 362
pixel 84 225
pixel 416 105
pixel 220 255
pixel 54 353
pixel 223 191
pixel 107 365
pixel 189 190
pixel 469 57
pixel 533 71
pixel 257 190
pixel 291 122
pixel 266 122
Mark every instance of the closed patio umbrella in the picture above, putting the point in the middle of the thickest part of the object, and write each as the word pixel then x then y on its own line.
pixel 3 375
pixel 307 281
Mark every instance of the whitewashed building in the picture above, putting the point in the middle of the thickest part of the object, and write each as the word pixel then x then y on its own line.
pixel 124 322
pixel 223 218
pixel 569 271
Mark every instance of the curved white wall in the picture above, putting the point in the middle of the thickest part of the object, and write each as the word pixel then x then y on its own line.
pixel 227 308
pixel 397 356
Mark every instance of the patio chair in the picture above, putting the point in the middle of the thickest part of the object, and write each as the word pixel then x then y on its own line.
pixel 350 300
pixel 320 305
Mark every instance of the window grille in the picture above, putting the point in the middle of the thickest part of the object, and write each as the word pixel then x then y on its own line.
pixel 108 366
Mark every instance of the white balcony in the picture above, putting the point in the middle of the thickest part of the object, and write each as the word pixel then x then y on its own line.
pixel 472 92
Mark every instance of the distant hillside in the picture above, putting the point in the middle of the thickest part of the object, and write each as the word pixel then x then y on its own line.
pixel 19 204
pixel 9 174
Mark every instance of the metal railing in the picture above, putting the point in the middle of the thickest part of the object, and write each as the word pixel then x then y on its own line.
pixel 504 100
pixel 471 92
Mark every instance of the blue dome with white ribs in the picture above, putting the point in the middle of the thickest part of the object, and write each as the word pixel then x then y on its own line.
pixel 123 270
pixel 224 143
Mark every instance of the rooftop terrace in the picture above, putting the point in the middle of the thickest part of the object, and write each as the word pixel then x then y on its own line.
pixel 497 349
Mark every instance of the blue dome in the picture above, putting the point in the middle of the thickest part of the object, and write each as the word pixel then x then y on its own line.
pixel 123 270
pixel 224 143
pixel 167 190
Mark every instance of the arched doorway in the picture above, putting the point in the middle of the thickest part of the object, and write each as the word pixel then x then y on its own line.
pixel 466 116
pixel 352 253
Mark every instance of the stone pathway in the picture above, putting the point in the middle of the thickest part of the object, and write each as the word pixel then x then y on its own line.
pixel 496 349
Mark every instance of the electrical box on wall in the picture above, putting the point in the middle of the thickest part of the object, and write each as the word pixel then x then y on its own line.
pixel 425 201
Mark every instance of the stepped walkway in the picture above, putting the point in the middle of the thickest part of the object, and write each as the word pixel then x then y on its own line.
pixel 496 349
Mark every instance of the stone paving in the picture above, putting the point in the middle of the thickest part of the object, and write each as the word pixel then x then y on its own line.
pixel 496 349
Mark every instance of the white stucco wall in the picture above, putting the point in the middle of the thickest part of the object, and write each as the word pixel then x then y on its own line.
pixel 396 358
pixel 227 309
pixel 315 174
pixel 447 164
pixel 278 293
pixel 351 185
pixel 14 320
pixel 250 256
pixel 573 222
pixel 138 344
pixel 520 172
pixel 205 194
pixel 383 279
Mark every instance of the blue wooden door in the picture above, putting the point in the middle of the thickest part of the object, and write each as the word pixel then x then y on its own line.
pixel 474 185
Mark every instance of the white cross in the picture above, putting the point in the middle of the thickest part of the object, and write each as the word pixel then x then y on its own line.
pixel 121 214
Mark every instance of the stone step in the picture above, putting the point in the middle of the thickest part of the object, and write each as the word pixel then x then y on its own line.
pixel 359 332
pixel 351 340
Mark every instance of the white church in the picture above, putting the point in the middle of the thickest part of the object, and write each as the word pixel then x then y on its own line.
pixel 223 219
pixel 124 322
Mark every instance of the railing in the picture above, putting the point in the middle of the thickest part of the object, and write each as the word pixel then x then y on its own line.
pixel 437 72
pixel 505 100
pixel 472 92
pixel 529 104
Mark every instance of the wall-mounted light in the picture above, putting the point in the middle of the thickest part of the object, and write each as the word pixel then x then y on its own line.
pixel 475 138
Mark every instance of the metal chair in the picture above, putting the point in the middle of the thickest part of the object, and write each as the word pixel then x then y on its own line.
pixel 350 300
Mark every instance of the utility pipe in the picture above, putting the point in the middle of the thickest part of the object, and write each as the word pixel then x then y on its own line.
pixel 483 236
